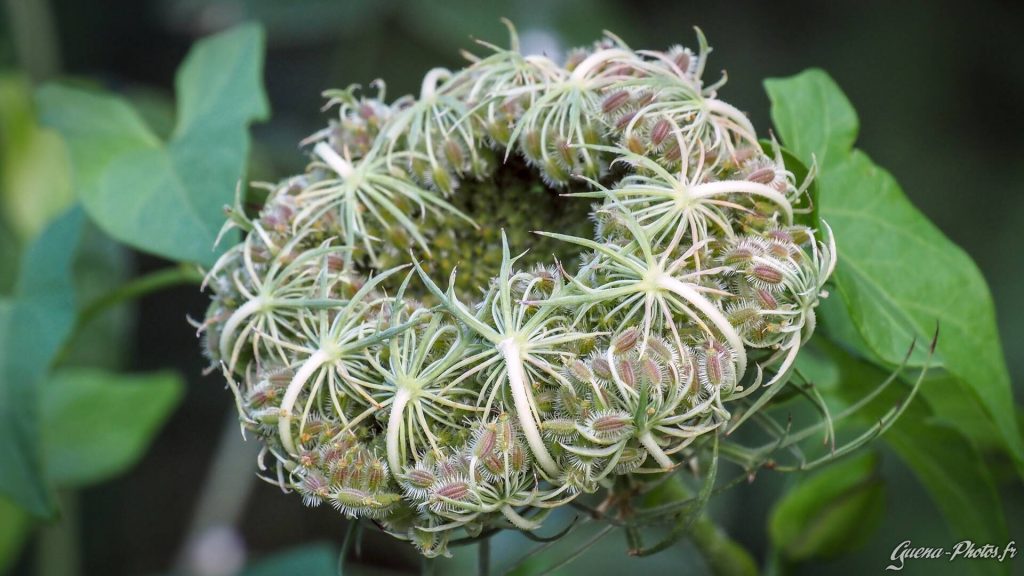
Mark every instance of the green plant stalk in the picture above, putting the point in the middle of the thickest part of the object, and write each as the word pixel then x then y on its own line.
pixel 137 288
pixel 57 553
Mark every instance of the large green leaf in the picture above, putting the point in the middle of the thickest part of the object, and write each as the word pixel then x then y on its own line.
pixel 814 118
pixel 167 197
pixel 34 322
pixel 830 513
pixel 898 275
pixel 96 424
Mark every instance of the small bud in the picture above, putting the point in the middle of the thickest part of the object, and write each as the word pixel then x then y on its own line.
pixel 417 481
pixel 652 372
pixel 765 274
pixel 625 341
pixel 715 366
pixel 531 144
pixel 635 144
pixel 661 130
pixel 738 256
pixel 624 121
pixel 453 153
pixel 485 441
pixel 766 299
pixel 565 151
pixel 500 131
pixel 630 458
pixel 762 175
pixel 610 426
pixel 601 369
pixel 682 58
pixel 314 489
pixel 627 373
pixel 614 101
pixel 661 350
pixel 449 489
pixel 579 371
pixel 442 180
pixel 559 428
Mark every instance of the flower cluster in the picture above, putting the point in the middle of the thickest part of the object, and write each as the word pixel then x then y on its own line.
pixel 488 402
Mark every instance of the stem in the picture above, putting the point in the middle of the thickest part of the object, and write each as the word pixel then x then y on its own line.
pixel 58 548
pixel 517 383
pixel 714 314
pixel 137 288
pixel 483 560
pixel 430 81
pixel 35 38
pixel 654 450
pixel 227 334
pixel 517 519
pixel 596 59
pixel 733 113
pixel 746 187
pixel 284 422
pixel 331 158
pixel 395 427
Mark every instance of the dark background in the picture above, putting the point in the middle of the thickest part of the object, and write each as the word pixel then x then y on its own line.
pixel 938 86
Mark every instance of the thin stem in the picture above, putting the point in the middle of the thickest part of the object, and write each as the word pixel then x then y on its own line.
pixel 58 549
pixel 137 288
pixel 483 559
pixel 579 551
pixel 35 38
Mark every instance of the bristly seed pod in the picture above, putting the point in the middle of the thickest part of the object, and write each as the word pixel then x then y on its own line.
pixel 625 341
pixel 614 101
pixel 601 368
pixel 610 426
pixel 716 367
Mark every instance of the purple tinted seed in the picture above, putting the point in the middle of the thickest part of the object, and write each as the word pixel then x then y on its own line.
pixel 762 175
pixel 660 131
pixel 614 101
pixel 766 274
pixel 457 490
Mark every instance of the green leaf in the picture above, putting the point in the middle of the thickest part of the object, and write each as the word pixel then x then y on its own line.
pixel 814 118
pixel 35 184
pixel 14 528
pixel 167 198
pixel 101 266
pixel 898 275
pixel 830 513
pixel 34 323
pixel 945 462
pixel 311 560
pixel 96 424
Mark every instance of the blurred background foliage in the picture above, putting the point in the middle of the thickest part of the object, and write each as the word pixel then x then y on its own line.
pixel 937 86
